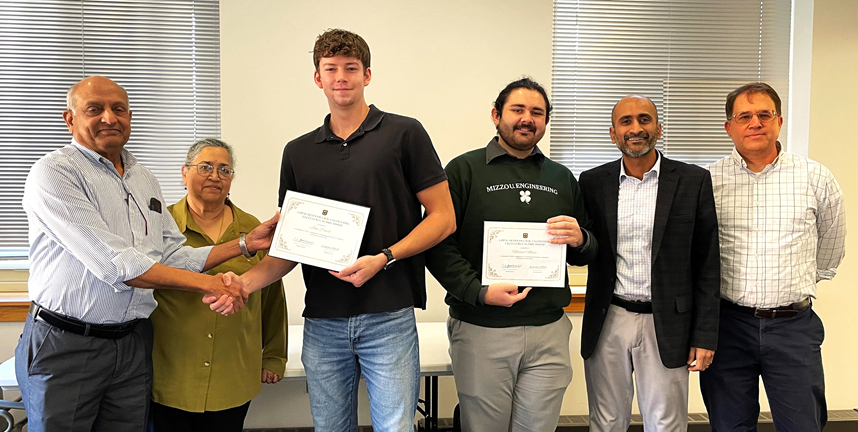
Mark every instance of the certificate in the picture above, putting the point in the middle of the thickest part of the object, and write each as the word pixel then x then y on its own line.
pixel 520 253
pixel 319 231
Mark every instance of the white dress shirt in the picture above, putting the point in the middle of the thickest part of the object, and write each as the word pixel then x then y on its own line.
pixel 635 219
pixel 91 230
pixel 780 230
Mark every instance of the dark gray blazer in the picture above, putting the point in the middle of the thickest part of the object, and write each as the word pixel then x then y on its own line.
pixel 685 258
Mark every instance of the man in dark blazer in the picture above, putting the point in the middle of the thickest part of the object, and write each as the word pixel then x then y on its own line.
pixel 653 290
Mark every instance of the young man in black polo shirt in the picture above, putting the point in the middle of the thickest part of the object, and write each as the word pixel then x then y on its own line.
pixel 510 348
pixel 361 320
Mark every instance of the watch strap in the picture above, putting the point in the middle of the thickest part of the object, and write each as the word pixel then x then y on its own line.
pixel 390 259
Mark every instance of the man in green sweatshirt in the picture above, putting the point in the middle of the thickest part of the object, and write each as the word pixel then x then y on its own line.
pixel 510 344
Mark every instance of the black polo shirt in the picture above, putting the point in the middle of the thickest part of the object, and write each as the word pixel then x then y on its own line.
pixel 382 165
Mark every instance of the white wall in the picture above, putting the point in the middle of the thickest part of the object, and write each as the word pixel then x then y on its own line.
pixel 832 115
pixel 443 62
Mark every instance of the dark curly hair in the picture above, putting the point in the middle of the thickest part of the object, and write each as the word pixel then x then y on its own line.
pixel 339 42
pixel 525 83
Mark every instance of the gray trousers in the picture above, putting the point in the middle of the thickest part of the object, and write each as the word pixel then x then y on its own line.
pixel 626 347
pixel 513 378
pixel 75 383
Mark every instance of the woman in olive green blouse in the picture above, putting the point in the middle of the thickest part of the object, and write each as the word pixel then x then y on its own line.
pixel 207 366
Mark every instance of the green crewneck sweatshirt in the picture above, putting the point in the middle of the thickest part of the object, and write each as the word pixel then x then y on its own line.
pixel 488 184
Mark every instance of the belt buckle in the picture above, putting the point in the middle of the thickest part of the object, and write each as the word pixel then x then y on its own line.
pixel 763 313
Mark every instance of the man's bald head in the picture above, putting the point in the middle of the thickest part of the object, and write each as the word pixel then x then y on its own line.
pixel 98 116
pixel 94 80
pixel 634 126
pixel 630 98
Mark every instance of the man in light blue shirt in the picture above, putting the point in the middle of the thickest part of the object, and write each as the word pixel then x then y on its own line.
pixel 100 241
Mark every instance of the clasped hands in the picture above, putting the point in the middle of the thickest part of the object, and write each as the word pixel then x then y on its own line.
pixel 227 295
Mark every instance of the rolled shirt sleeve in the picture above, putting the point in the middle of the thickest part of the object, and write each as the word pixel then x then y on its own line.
pixel 90 230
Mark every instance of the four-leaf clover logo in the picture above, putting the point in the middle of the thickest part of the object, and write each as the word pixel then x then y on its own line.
pixel 525 196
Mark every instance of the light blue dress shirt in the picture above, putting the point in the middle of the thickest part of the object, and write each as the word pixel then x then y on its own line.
pixel 90 230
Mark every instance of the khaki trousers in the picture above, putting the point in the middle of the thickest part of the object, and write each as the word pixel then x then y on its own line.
pixel 627 349
pixel 512 378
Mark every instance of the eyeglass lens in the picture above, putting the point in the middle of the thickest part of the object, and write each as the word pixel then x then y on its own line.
pixel 764 116
pixel 223 172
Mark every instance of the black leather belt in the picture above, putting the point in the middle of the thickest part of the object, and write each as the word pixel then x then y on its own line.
pixel 778 312
pixel 632 306
pixel 62 322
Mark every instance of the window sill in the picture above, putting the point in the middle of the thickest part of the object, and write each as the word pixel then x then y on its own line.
pixel 578 285
pixel 577 304
pixel 14 302
pixel 14 306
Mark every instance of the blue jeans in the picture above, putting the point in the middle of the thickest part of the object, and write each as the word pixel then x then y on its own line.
pixel 384 347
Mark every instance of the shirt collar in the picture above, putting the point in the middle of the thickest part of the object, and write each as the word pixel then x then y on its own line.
pixel 738 160
pixel 656 168
pixel 128 159
pixel 185 221
pixel 494 150
pixel 373 118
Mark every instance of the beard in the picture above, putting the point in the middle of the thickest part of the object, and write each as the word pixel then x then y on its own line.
pixel 507 134
pixel 649 144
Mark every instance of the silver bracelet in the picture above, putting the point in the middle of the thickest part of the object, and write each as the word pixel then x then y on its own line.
pixel 242 244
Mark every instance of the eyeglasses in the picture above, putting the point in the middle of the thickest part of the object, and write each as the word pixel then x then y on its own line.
pixel 765 116
pixel 205 170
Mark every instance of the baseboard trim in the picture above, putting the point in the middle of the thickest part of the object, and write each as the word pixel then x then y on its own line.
pixel 838 421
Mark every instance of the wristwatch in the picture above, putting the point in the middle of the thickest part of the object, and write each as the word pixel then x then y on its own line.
pixel 242 244
pixel 390 258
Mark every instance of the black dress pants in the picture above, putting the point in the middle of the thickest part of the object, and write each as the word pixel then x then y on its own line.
pixel 168 419
pixel 785 352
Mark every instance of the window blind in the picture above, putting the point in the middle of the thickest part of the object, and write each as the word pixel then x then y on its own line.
pixel 165 53
pixel 684 55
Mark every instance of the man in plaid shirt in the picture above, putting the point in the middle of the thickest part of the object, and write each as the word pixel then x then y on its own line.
pixel 782 229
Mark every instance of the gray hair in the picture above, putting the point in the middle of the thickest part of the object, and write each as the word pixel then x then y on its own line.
pixel 198 147
pixel 71 95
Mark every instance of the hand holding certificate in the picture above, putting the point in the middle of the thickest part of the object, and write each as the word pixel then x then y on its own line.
pixel 319 231
pixel 521 253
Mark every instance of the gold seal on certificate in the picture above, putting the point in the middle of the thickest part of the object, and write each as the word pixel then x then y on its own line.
pixel 319 231
pixel 520 253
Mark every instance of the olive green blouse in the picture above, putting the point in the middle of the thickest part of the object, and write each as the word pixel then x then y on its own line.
pixel 203 360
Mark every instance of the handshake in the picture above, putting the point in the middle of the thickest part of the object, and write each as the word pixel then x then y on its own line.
pixel 226 294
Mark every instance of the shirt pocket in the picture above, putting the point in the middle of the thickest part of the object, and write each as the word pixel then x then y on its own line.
pixel 155 228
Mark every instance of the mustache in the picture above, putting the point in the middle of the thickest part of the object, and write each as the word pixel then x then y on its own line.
pixel 629 136
pixel 525 127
